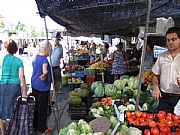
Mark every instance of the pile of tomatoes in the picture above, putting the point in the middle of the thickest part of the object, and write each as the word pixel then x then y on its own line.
pixel 161 123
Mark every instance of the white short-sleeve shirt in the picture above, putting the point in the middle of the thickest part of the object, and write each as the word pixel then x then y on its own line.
pixel 169 70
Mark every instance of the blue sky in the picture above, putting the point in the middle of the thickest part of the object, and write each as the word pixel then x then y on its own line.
pixel 24 11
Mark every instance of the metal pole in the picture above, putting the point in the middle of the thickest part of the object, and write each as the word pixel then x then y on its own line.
pixel 56 107
pixel 143 55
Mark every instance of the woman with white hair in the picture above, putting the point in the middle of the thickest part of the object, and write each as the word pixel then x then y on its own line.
pixel 41 84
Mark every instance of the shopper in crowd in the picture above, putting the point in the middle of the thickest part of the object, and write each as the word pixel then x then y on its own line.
pixel 106 52
pixel 92 53
pixel 167 73
pixel 12 81
pixel 41 84
pixel 1 45
pixel 119 58
pixel 149 55
pixel 56 59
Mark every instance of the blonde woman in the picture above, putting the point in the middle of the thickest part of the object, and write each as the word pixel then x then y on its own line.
pixel 12 81
pixel 41 84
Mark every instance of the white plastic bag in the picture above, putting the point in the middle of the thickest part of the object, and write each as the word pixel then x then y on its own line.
pixel 177 108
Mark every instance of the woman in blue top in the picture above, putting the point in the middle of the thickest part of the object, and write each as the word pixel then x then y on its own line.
pixel 41 84
pixel 12 81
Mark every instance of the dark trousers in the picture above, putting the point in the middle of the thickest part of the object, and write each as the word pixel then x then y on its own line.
pixel 40 112
pixel 168 102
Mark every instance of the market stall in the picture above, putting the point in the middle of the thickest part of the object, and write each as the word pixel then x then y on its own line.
pixel 124 106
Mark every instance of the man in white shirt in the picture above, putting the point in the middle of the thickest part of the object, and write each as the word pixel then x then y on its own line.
pixel 167 73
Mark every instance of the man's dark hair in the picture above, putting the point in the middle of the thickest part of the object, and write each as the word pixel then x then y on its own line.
pixel 174 30
pixel 12 47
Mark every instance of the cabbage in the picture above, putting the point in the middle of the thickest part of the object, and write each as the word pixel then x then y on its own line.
pixel 119 84
pixel 84 127
pixel 73 132
pixel 95 85
pixel 110 90
pixel 131 107
pixel 73 125
pixel 133 82
pixel 63 131
pixel 99 91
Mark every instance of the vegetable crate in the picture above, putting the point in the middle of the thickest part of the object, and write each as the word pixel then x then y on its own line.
pixel 78 111
pixel 72 86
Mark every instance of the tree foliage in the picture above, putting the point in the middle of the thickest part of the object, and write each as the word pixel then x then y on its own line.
pixel 2 25
pixel 20 26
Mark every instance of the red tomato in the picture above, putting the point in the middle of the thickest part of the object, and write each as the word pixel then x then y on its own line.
pixel 133 116
pixel 136 123
pixel 154 131
pixel 162 112
pixel 141 120
pixel 165 129
pixel 175 117
pixel 168 118
pixel 161 133
pixel 144 115
pixel 147 132
pixel 150 116
pixel 169 115
pixel 130 120
pixel 169 123
pixel 161 115
pixel 128 114
pixel 152 124
pixel 138 113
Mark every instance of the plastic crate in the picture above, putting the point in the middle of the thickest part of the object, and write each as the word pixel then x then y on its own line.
pixel 78 111
pixel 72 86
pixel 79 74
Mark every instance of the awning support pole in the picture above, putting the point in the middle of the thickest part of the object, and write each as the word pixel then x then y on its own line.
pixel 143 55
pixel 56 106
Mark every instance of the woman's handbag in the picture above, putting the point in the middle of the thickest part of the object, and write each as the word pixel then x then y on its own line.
pixel 21 120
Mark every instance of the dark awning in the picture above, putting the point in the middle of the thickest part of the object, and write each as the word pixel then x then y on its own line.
pixel 112 17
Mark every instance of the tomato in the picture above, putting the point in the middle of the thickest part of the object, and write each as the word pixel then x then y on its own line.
pixel 150 116
pixel 141 120
pixel 169 115
pixel 152 124
pixel 161 115
pixel 138 113
pixel 162 112
pixel 175 117
pixel 161 133
pixel 165 129
pixel 136 123
pixel 169 123
pixel 175 123
pixel 168 118
pixel 130 120
pixel 128 114
pixel 144 115
pixel 154 131
pixel 147 132
pixel 133 116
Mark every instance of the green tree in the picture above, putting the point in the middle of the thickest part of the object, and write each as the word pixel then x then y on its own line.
pixel 34 32
pixel 20 26
pixel 2 25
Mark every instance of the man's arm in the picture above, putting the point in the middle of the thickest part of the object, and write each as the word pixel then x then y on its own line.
pixel 156 91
